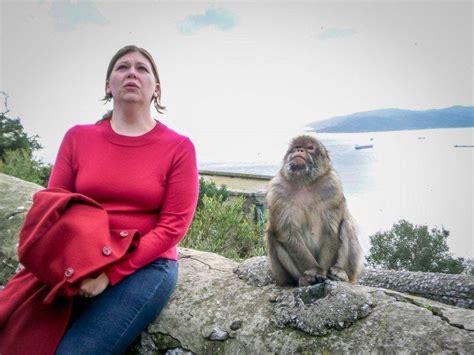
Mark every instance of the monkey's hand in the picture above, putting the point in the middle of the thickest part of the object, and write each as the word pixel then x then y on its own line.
pixel 337 274
pixel 94 287
pixel 311 277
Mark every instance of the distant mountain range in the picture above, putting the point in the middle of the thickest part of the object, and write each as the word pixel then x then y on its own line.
pixel 397 120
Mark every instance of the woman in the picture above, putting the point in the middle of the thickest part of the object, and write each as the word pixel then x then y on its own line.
pixel 145 176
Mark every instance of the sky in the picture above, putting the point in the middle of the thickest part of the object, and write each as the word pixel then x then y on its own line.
pixel 235 75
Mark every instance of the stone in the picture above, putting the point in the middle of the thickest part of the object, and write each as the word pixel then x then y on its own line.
pixel 319 309
pixel 16 198
pixel 237 324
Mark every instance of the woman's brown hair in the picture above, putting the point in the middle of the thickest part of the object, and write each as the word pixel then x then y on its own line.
pixel 120 53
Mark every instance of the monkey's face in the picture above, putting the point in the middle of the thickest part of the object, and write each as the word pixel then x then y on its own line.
pixel 306 159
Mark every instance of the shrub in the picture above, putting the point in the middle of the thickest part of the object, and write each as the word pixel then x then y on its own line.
pixel 16 153
pixel 21 164
pixel 13 137
pixel 210 189
pixel 224 228
pixel 413 248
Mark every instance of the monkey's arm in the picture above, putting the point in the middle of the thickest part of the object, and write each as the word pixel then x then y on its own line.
pixel 349 262
pixel 294 244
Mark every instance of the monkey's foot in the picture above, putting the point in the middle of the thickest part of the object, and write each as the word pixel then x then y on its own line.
pixel 311 277
pixel 337 274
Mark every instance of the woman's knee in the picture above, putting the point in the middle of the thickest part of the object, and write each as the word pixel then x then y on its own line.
pixel 116 317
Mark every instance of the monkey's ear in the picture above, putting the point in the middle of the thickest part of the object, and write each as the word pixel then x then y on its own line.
pixel 326 153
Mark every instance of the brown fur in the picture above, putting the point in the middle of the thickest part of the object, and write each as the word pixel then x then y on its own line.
pixel 310 235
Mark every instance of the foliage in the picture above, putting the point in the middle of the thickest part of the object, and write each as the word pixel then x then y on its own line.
pixel 210 189
pixel 16 153
pixel 13 137
pixel 413 248
pixel 224 228
pixel 469 267
pixel 21 164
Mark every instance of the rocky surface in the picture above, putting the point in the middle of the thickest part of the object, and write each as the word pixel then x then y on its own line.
pixel 16 198
pixel 220 306
pixel 457 290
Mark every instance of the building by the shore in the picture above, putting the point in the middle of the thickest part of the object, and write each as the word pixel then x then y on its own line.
pixel 252 187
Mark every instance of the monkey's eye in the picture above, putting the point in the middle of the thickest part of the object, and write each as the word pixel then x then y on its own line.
pixel 310 148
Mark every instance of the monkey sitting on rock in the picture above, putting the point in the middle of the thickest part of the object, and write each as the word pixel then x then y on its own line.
pixel 311 235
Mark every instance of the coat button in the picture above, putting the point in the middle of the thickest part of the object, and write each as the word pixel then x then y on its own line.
pixel 69 272
pixel 106 250
pixel 124 234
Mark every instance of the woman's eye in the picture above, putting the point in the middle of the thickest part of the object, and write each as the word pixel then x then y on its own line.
pixel 143 68
pixel 121 67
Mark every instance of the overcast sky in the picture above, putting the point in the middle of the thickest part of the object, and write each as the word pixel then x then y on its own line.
pixel 235 71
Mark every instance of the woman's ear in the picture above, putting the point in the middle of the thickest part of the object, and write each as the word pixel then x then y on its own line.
pixel 157 90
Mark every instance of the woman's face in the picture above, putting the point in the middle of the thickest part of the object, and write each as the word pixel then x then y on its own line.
pixel 132 80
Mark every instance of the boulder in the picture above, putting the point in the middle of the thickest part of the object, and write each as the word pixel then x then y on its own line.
pixel 220 306
pixel 453 289
pixel 15 200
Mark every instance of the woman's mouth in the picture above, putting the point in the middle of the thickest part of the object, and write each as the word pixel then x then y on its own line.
pixel 131 85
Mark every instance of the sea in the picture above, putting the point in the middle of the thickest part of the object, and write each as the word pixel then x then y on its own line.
pixel 422 176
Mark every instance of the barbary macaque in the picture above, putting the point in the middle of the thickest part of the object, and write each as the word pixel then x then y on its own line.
pixel 311 236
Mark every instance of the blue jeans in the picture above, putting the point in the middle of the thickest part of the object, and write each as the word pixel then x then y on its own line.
pixel 109 322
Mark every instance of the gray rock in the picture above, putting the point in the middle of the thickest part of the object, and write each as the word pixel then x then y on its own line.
pixel 16 198
pixel 255 271
pixel 218 334
pixel 236 325
pixel 178 351
pixel 319 309
pixel 330 317
pixel 456 290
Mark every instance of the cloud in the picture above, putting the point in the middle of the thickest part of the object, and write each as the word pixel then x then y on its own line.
pixel 68 14
pixel 219 18
pixel 333 33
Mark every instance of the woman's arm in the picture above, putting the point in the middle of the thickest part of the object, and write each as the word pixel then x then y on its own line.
pixel 62 174
pixel 175 217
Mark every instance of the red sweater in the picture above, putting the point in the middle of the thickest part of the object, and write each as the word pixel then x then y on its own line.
pixel 149 183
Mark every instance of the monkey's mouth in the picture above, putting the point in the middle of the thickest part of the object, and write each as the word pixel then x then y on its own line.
pixel 297 163
pixel 294 167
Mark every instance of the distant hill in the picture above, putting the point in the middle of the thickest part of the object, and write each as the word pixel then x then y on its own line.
pixel 397 120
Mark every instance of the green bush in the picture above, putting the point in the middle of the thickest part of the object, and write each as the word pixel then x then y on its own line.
pixel 413 248
pixel 16 153
pixel 21 164
pixel 13 137
pixel 224 228
pixel 210 189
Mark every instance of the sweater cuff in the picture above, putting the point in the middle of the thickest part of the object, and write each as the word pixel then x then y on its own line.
pixel 113 275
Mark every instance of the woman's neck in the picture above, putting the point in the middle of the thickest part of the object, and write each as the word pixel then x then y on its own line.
pixel 131 121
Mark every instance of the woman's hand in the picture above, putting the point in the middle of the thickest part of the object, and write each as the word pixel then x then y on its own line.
pixel 94 287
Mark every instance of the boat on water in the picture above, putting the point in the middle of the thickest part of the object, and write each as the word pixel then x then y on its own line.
pixel 363 146
pixel 463 146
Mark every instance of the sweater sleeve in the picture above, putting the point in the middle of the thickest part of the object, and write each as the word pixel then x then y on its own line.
pixel 62 174
pixel 175 216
